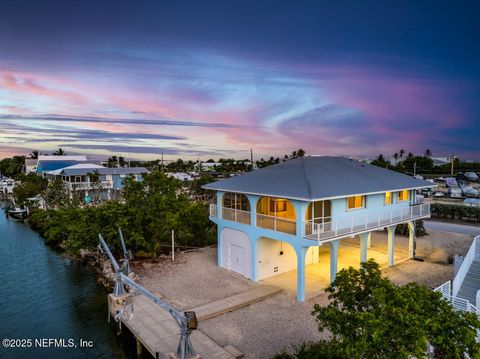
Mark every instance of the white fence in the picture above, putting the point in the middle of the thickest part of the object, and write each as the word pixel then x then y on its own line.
pixel 348 226
pixel 473 253
pixel 450 289
pixel 461 304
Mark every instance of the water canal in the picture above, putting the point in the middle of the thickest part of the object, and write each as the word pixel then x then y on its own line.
pixel 44 295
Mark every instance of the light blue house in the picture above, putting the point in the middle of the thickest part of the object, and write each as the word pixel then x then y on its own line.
pixel 306 203
pixel 78 178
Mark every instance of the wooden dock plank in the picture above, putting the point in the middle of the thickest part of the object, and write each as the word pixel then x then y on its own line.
pixel 159 332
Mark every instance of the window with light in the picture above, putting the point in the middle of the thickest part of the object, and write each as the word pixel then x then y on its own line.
pixel 403 196
pixel 388 198
pixel 355 202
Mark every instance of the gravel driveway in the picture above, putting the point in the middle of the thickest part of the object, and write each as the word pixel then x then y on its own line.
pixel 265 328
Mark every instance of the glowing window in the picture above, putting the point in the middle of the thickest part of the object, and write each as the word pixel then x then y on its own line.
pixel 355 202
pixel 403 195
pixel 388 198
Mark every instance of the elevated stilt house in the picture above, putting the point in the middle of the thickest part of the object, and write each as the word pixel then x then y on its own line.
pixel 273 220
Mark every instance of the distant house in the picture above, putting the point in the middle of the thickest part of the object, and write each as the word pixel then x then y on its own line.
pixel 78 178
pixel 30 165
pixel 273 220
pixel 52 163
pixel 184 177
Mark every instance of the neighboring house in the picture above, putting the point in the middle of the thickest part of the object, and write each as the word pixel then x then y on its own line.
pixel 184 177
pixel 52 163
pixel 77 178
pixel 308 202
pixel 30 165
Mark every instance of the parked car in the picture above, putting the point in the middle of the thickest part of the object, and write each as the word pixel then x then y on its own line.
pixel 427 192
pixel 461 176
pixel 451 182
pixel 471 176
pixel 454 192
pixel 469 191
pixel 439 194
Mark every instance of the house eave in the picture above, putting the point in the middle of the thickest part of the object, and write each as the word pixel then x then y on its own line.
pixel 305 199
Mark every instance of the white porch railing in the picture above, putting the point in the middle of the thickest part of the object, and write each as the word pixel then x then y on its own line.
pixel 461 304
pixel 236 215
pixel 277 223
pixel 472 254
pixel 348 226
pixel 213 209
pixel 89 185
pixel 450 289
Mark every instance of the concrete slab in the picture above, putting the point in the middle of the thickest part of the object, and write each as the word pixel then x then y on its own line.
pixel 219 307
pixel 318 275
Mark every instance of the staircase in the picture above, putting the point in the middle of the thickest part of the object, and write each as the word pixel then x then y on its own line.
pixel 464 290
pixel 471 283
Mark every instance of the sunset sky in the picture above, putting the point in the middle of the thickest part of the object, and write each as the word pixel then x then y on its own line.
pixel 203 79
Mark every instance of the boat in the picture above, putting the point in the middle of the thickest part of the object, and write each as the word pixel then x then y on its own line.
pixel 17 213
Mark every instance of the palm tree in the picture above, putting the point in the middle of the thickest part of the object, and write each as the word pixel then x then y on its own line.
pixel 410 155
pixel 402 152
pixel 395 156
pixel 428 153
pixel 34 154
pixel 59 152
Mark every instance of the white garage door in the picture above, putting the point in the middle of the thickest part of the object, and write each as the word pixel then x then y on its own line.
pixel 236 254
pixel 236 259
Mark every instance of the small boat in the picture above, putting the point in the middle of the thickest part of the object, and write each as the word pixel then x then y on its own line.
pixel 17 213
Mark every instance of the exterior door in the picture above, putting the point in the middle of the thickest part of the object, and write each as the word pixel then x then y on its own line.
pixel 236 259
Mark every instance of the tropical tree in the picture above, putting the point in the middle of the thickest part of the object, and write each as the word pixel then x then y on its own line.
pixel 395 156
pixel 59 152
pixel 34 154
pixel 31 186
pixel 370 317
pixel 96 184
pixel 428 153
pixel 402 152
pixel 121 161
pixel 112 161
pixel 380 161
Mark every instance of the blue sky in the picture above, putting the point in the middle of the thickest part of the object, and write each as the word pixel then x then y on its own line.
pixel 203 79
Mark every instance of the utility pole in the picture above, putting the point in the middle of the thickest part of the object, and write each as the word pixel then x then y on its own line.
pixel 251 157
pixel 451 159
pixel 415 168
pixel 173 245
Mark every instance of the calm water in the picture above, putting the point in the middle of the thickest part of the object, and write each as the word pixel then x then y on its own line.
pixel 44 295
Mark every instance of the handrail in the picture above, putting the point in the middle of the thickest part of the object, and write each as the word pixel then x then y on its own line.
pixel 236 215
pixel 458 303
pixel 280 224
pixel 350 225
pixel 472 253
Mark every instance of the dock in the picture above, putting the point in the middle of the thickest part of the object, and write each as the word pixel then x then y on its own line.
pixel 158 332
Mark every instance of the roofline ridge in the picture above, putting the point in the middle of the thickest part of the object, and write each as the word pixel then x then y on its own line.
pixel 307 178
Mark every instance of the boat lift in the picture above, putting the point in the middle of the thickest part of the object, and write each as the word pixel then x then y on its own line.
pixel 187 321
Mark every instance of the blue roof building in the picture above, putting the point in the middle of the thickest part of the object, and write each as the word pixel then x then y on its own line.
pixel 305 203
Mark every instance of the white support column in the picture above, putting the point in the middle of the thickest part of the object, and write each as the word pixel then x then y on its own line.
pixel 391 245
pixel 334 259
pixel 301 253
pixel 369 240
pixel 411 239
pixel 363 246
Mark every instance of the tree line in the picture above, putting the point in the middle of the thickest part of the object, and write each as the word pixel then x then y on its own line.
pixel 151 209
